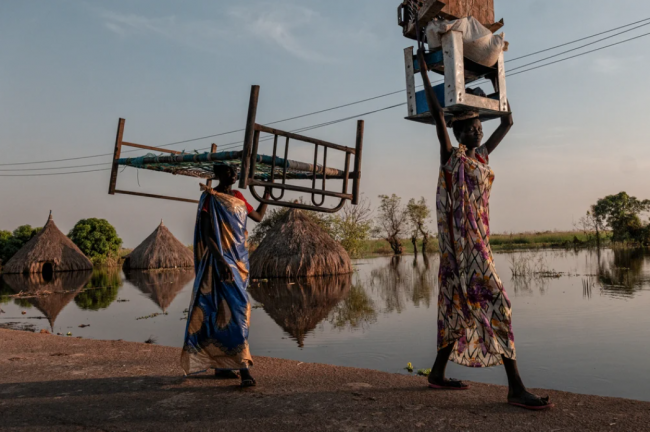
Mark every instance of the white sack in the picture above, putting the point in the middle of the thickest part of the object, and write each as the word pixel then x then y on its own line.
pixel 479 44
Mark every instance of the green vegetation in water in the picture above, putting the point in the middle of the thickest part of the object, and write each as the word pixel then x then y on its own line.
pixel 11 242
pixel 23 303
pixel 5 292
pixel 153 315
pixel 101 291
pixel 621 214
pixel 97 239
pixel 498 243
pixel 355 311
pixel 421 372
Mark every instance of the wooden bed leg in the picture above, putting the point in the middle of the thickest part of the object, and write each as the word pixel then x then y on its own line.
pixel 116 156
pixel 213 149
pixel 248 137
pixel 356 182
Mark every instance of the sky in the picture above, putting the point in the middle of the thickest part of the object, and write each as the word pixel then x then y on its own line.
pixel 179 70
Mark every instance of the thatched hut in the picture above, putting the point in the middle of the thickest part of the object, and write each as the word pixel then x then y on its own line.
pixel 161 250
pixel 297 247
pixel 299 306
pixel 49 296
pixel 48 252
pixel 161 286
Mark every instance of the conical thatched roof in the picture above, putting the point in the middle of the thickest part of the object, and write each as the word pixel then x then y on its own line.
pixel 49 246
pixel 160 250
pixel 161 286
pixel 299 306
pixel 53 295
pixel 297 247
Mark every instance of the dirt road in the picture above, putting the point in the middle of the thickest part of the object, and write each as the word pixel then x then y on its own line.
pixel 61 384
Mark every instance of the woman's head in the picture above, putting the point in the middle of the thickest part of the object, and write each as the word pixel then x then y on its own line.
pixel 226 174
pixel 468 132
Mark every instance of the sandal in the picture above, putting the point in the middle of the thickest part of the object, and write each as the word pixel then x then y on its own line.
pixel 248 382
pixel 450 384
pixel 525 405
pixel 225 374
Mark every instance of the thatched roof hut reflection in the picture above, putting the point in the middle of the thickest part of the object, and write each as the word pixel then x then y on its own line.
pixel 161 250
pixel 48 252
pixel 49 297
pixel 297 247
pixel 161 286
pixel 298 306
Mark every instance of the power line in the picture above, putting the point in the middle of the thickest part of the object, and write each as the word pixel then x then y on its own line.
pixel 53 168
pixel 363 100
pixel 53 174
pixel 210 136
pixel 580 47
pixel 581 54
pixel 238 143
pixel 577 40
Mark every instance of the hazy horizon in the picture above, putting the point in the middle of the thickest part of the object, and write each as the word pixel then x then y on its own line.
pixel 71 68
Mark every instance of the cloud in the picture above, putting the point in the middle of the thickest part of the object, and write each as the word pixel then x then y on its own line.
pixel 279 26
pixel 285 26
pixel 611 65
pixel 199 34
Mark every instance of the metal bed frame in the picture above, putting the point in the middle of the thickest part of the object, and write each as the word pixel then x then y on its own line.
pixel 277 181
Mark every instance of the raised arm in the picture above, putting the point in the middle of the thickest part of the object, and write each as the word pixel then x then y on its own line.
pixel 258 214
pixel 436 111
pixel 500 133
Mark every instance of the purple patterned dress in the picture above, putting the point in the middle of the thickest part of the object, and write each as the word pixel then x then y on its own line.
pixel 474 311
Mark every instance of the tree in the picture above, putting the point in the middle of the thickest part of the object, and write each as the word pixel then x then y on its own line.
pixel 10 243
pixel 5 236
pixel 96 238
pixel 592 223
pixel 352 226
pixel 391 221
pixel 621 213
pixel 419 215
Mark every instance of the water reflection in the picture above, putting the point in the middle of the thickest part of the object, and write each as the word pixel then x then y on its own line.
pixel 101 290
pixel 161 286
pixel 621 271
pixel 357 310
pixel 401 282
pixel 381 317
pixel 298 306
pixel 49 297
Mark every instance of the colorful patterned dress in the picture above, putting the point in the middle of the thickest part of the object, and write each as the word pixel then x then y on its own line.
pixel 474 311
pixel 216 335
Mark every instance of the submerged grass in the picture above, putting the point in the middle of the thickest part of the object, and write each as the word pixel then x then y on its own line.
pixel 498 242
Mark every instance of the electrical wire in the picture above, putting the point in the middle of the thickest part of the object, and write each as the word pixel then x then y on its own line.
pixel 580 55
pixel 577 48
pixel 53 174
pixel 355 102
pixel 576 41
pixel 239 143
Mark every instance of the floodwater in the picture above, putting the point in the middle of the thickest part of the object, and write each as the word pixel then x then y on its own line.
pixel 581 319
